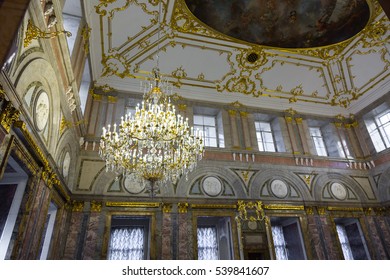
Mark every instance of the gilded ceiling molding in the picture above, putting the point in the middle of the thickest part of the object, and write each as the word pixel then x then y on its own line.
pixel 183 21
pixel 114 61
pixel 65 124
pixel 85 34
pixel 33 32
pixel 248 62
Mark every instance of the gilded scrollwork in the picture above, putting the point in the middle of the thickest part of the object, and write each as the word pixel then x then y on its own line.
pixel 167 207
pixel 77 206
pixel 183 21
pixel 85 34
pixel 256 207
pixel 96 206
pixel 9 115
pixel 182 207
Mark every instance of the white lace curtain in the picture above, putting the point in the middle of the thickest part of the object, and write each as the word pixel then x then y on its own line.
pixel 127 244
pixel 279 243
pixel 207 243
pixel 344 242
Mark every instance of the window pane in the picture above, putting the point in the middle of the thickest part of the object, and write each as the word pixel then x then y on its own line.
pixel 265 126
pixel 377 141
pixel 212 142
pixel 384 119
pixel 210 121
pixel 198 120
pixel 270 147
pixel 264 137
pixel 386 134
pixel 211 132
pixel 268 137
pixel 207 243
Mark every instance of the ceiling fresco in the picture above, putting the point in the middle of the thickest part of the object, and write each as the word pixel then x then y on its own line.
pixel 284 24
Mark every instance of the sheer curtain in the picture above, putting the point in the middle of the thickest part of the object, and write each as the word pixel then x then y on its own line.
pixel 344 242
pixel 127 244
pixel 207 243
pixel 279 243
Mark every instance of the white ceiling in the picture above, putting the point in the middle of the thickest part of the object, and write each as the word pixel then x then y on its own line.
pixel 208 66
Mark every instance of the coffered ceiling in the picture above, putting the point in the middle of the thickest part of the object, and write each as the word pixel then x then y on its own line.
pixel 205 64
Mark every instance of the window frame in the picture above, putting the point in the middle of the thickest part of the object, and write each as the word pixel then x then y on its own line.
pixel 321 137
pixel 261 132
pixel 346 221
pixel 151 250
pixel 203 129
pixel 287 221
pixel 380 131
pixel 230 217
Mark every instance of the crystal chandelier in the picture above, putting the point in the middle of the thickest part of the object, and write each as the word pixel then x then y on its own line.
pixel 153 144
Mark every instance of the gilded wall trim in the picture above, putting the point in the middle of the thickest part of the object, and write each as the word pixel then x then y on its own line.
pixel 284 207
pixel 133 204
pixel 213 206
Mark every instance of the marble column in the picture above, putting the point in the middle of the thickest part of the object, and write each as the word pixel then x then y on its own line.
pixel 167 233
pixel 185 244
pixel 353 139
pixel 245 128
pixel 90 251
pixel 93 118
pixel 316 240
pixel 291 134
pixel 302 134
pixel 234 129
pixel 38 238
pixel 36 194
pixel 329 235
pixel 72 240
pixel 379 241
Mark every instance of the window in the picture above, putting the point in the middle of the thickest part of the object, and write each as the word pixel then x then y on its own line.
pixel 214 238
pixel 316 136
pixel 208 125
pixel 351 239
pixel 129 238
pixel 287 237
pixel 379 130
pixel 264 136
